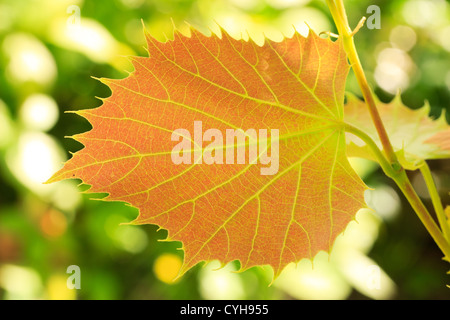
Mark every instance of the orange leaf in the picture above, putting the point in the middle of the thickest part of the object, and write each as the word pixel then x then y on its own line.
pixel 229 211
pixel 441 139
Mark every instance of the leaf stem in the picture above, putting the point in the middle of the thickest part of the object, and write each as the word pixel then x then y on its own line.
pixel 406 187
pixel 403 182
pixel 388 160
pixel 435 199
pixel 385 165
pixel 340 18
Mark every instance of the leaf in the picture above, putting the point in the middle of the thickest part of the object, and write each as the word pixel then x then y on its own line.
pixel 442 140
pixel 414 135
pixel 228 211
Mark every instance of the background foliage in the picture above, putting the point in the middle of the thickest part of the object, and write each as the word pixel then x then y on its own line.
pixel 46 69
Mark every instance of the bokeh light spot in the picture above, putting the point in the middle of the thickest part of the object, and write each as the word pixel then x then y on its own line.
pixel 218 283
pixel 34 159
pixel 166 267
pixel 39 112
pixel 29 59
pixel 403 37
pixel 53 223
pixel 392 71
pixel 20 283
pixel 57 288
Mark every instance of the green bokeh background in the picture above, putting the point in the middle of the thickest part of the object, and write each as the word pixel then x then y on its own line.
pixel 47 71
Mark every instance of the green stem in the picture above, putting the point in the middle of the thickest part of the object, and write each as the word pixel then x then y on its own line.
pixel 388 161
pixel 435 199
pixel 403 182
pixel 385 165
pixel 340 18
pixel 423 214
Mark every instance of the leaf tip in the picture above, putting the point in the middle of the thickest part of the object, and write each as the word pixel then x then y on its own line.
pixel 72 111
pixel 52 179
pixel 105 81
pixel 185 268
